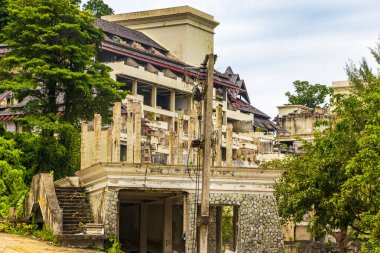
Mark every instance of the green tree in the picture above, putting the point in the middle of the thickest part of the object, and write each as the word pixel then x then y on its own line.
pixel 52 60
pixel 12 187
pixel 45 153
pixel 52 63
pixel 308 94
pixel 98 8
pixel 337 177
pixel 3 13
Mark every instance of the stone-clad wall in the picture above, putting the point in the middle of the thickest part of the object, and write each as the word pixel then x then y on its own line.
pixel 104 207
pixel 258 222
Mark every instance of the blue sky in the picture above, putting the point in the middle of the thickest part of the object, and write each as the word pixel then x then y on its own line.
pixel 272 43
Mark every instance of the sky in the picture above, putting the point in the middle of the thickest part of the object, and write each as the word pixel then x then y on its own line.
pixel 271 43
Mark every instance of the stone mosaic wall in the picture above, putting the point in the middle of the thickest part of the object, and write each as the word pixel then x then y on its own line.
pixel 104 207
pixel 258 222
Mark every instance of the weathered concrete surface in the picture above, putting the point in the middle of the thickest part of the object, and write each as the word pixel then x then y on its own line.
pixel 258 222
pixel 42 195
pixel 18 244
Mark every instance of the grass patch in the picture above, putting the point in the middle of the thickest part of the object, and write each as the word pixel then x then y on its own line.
pixel 29 230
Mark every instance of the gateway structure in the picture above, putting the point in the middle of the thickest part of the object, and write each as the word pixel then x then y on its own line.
pixel 141 174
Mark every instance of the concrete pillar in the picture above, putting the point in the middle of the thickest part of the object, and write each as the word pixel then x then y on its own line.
pixel 83 146
pixel 219 242
pixel 172 101
pixel 172 147
pixel 143 228
pixel 137 141
pixel 97 137
pixel 154 97
pixel 116 132
pixel 218 128
pixel 134 87
pixel 224 118
pixel 180 138
pixel 168 236
pixel 130 140
pixel 109 145
pixel 190 106
pixel 229 146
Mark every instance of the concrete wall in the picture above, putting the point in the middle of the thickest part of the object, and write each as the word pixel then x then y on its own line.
pixel 105 208
pixel 42 195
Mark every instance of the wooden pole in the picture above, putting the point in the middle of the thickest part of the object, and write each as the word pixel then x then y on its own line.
pixel 205 201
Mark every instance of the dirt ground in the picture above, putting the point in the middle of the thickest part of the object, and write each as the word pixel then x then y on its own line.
pixel 19 244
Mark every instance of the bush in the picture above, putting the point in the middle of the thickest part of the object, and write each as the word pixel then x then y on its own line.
pixel 112 245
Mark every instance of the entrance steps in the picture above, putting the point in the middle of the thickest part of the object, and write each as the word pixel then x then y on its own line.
pixel 77 218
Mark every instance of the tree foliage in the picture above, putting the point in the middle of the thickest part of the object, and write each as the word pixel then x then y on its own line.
pixel 59 153
pixel 98 8
pixel 3 13
pixel 52 60
pixel 52 63
pixel 337 177
pixel 308 94
pixel 12 186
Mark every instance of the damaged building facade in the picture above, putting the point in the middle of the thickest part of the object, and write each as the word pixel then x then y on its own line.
pixel 141 174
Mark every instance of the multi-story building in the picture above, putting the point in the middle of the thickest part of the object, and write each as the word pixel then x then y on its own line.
pixel 142 173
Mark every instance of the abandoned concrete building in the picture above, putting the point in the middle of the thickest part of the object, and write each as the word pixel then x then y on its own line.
pixel 139 178
pixel 297 123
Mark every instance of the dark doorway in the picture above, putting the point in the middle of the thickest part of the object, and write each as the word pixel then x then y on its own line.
pixel 151 222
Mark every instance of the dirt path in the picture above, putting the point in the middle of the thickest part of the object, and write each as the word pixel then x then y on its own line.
pixel 19 244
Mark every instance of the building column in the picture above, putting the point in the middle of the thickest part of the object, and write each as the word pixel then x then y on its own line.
pixel 143 228
pixel 229 142
pixel 219 239
pixel 129 135
pixel 172 146
pixel 134 87
pixel 218 127
pixel 83 144
pixel 154 97
pixel 190 106
pixel 168 221
pixel 172 101
pixel 97 136
pixel 180 138
pixel 137 135
pixel 110 144
pixel 116 132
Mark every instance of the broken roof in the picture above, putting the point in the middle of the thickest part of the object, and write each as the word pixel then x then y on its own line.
pixel 235 79
pixel 127 33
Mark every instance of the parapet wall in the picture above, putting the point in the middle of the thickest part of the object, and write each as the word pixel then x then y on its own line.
pixel 42 196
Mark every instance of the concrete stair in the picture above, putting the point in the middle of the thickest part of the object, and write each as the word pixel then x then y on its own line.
pixel 76 209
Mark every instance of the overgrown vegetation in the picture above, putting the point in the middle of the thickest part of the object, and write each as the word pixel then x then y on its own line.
pixel 228 226
pixel 51 66
pixel 30 230
pixel 112 245
pixel 12 172
pixel 337 177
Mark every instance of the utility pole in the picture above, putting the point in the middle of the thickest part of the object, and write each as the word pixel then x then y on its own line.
pixel 206 163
